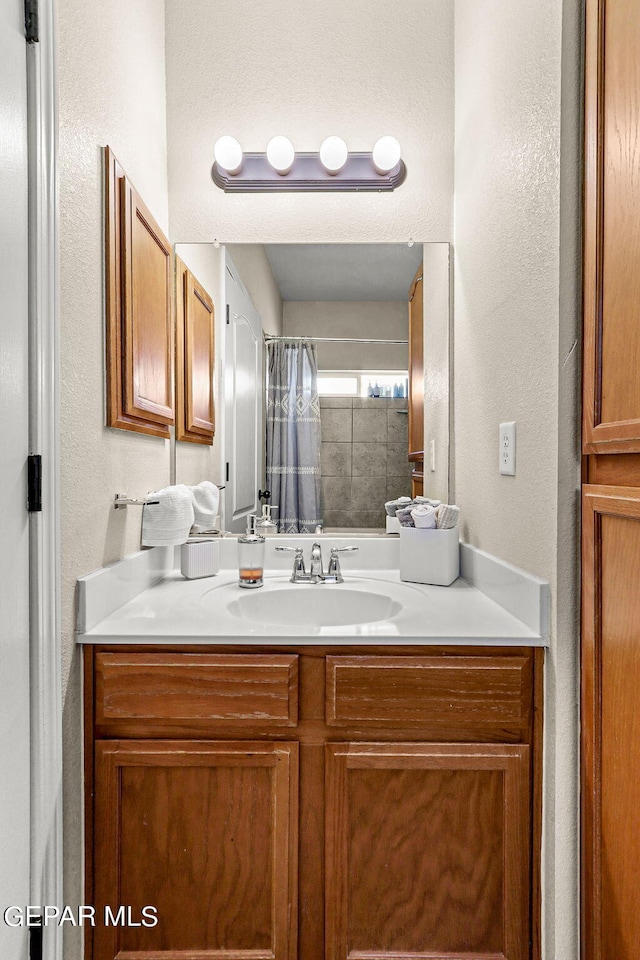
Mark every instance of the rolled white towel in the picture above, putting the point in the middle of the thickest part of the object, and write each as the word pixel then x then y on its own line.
pixel 206 502
pixel 168 523
pixel 424 516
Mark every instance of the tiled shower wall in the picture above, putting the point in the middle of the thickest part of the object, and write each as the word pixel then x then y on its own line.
pixel 363 460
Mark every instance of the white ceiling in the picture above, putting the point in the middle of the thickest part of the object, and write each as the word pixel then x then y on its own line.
pixel 344 271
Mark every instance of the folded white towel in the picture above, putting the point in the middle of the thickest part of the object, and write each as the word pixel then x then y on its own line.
pixel 206 502
pixel 424 516
pixel 447 516
pixel 168 523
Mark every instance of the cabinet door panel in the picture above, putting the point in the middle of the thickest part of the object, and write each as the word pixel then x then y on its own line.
pixel 206 833
pixel 147 312
pixel 195 359
pixel 427 851
pixel 199 357
pixel 612 228
pixel 610 722
pixel 117 259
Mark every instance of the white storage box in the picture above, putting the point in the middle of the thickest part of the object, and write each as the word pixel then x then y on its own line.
pixel 199 558
pixel 429 556
pixel 393 525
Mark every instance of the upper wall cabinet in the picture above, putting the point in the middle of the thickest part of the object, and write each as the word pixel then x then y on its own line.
pixel 139 302
pixel 612 229
pixel 195 358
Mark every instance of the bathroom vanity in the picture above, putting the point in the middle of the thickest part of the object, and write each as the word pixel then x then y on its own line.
pixel 316 797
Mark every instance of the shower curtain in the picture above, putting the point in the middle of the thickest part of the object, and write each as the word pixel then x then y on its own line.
pixel 293 434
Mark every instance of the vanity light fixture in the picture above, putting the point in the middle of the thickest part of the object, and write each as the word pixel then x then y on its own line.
pixel 333 154
pixel 331 168
pixel 228 154
pixel 281 154
pixel 386 154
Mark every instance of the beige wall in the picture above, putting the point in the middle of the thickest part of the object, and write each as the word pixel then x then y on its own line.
pixel 111 91
pixel 335 318
pixel 517 177
pixel 437 306
pixel 252 263
pixel 359 69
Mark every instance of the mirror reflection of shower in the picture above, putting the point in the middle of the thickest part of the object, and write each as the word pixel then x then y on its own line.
pixel 337 385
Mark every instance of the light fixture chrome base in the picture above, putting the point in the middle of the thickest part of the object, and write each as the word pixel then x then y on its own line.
pixel 307 174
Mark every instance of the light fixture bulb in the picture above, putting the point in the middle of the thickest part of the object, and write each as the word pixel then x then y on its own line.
pixel 228 154
pixel 333 154
pixel 281 154
pixel 386 154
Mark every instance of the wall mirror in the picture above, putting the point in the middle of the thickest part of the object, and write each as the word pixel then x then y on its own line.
pixel 331 380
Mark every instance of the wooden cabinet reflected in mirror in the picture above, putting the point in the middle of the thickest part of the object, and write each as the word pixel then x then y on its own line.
pixel 195 359
pixel 139 310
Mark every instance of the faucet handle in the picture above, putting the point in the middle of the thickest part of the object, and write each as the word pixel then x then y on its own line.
pixel 334 563
pixel 299 570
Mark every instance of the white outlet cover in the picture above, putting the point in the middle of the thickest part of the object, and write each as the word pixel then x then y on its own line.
pixel 507 449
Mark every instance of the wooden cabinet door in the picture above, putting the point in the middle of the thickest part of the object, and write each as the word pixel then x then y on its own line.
pixel 416 370
pixel 612 228
pixel 610 722
pixel 147 312
pixel 427 851
pixel 206 833
pixel 195 359
pixel 139 311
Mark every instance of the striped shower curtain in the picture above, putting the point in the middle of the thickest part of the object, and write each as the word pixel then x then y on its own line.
pixel 293 434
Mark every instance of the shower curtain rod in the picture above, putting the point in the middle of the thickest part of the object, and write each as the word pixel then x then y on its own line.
pixel 334 339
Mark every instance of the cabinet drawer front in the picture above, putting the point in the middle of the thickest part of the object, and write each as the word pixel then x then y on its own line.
pixel 233 688
pixel 433 691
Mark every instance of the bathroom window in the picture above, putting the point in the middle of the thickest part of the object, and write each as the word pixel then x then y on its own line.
pixel 363 383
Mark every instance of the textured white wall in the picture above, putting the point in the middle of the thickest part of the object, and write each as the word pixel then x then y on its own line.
pixel 359 69
pixel 517 176
pixel 335 318
pixel 111 91
pixel 194 461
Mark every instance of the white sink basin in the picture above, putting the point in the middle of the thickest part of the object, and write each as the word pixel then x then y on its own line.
pixel 316 605
pixel 361 606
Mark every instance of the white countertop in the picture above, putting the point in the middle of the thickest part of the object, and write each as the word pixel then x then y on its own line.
pixel 200 611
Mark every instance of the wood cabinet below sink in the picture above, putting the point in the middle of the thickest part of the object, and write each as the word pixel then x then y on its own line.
pixel 314 803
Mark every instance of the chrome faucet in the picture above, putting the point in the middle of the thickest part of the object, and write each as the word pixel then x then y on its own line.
pixel 316 571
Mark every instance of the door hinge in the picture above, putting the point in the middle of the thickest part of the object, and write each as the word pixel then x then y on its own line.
pixel 35 939
pixel 226 473
pixel 227 314
pixel 34 483
pixel 31 26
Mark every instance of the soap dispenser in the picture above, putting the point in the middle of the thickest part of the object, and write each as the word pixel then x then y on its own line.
pixel 265 525
pixel 251 556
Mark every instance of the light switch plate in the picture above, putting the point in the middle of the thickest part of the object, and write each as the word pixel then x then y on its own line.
pixel 507 448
